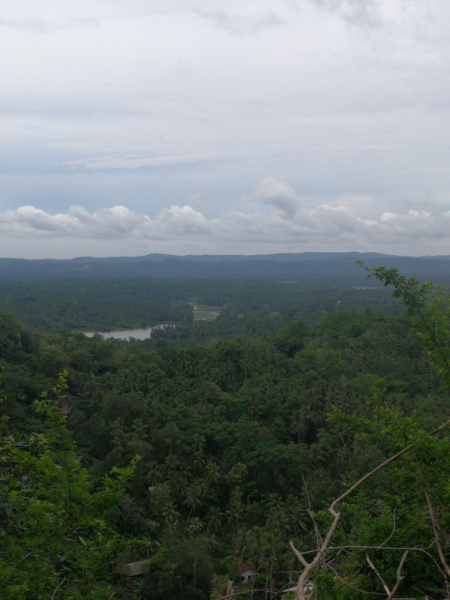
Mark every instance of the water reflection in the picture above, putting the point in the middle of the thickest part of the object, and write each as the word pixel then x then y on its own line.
pixel 126 334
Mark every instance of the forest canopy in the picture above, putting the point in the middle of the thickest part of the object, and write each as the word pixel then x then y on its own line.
pixel 206 461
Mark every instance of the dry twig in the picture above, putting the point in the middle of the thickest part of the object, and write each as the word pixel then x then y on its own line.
pixel 57 587
pixel 321 551
pixel 398 580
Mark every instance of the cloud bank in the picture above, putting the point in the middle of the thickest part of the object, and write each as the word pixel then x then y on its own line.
pixel 106 101
pixel 129 109
pixel 286 226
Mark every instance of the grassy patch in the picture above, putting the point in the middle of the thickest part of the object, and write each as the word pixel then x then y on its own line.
pixel 204 312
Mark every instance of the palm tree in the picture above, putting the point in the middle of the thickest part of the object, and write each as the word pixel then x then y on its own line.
pixel 214 519
pixel 194 496
pixel 169 513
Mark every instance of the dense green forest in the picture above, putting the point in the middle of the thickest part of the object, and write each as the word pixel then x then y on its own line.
pixel 207 459
pixel 257 294
pixel 248 309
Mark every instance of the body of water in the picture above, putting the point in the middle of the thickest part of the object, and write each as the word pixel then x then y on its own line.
pixel 126 334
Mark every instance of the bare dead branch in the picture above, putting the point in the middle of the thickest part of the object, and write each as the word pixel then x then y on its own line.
pixel 309 567
pixel 398 580
pixel 434 523
pixel 320 553
pixel 387 549
pixel 435 526
pixel 299 555
pixel 57 587
pixel 316 528
pixel 435 530
pixel 439 429
pixel 309 511
pixel 304 577
pixel 393 529
pixel 351 586
pixel 399 576
pixel 368 476
pixel 377 573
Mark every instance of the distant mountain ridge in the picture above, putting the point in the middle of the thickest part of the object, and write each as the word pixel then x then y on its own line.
pixel 271 266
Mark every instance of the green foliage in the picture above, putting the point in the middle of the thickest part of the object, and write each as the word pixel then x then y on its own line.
pixel 250 308
pixel 54 531
pixel 290 340
pixel 429 307
pixel 183 571
pixel 394 510
pixel 238 451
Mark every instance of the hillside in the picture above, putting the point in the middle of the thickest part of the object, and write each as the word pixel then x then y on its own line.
pixel 270 267
pixel 242 446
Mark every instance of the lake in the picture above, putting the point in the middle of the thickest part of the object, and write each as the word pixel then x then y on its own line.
pixel 126 334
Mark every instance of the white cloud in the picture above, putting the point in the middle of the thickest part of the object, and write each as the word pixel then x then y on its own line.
pixel 198 204
pixel 146 104
pixel 355 202
pixel 280 195
pixel 182 220
pixel 181 229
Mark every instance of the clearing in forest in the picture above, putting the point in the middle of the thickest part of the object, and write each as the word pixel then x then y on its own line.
pixel 205 312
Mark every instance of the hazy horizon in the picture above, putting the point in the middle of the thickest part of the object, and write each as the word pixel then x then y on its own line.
pixel 200 255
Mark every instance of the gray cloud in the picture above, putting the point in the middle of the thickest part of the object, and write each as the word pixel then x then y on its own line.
pixel 289 228
pixel 243 25
pixel 377 13
pixel 110 162
pixel 161 103
pixel 280 195
pixel 366 12
pixel 198 204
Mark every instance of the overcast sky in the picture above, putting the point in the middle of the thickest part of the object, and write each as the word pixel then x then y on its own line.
pixel 223 126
